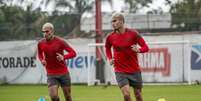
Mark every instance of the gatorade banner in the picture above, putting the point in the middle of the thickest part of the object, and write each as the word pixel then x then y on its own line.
pixel 18 62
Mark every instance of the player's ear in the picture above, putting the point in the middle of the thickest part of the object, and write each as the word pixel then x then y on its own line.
pixel 122 22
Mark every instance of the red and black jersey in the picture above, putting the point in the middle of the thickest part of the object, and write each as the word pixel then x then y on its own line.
pixel 125 59
pixel 47 50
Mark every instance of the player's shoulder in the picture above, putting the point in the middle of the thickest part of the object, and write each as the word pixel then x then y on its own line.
pixel 110 34
pixel 134 31
pixel 41 40
pixel 59 38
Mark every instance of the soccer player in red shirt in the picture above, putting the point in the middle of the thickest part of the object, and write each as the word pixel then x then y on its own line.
pixel 51 54
pixel 126 44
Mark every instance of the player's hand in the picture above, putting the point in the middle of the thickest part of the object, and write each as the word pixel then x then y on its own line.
pixel 135 48
pixel 111 62
pixel 60 57
pixel 43 62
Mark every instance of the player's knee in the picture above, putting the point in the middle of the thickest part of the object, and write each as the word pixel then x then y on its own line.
pixel 126 92
pixel 127 97
pixel 67 94
pixel 137 93
pixel 55 98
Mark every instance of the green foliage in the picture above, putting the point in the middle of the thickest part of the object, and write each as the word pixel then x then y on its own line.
pixel 76 9
pixel 24 23
pixel 17 23
pixel 134 5
pixel 63 23
pixel 186 14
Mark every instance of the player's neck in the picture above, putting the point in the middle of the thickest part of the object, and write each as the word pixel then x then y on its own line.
pixel 121 30
pixel 51 38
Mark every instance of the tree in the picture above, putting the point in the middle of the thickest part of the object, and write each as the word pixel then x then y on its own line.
pixel 5 2
pixel 134 5
pixel 74 7
pixel 11 22
pixel 32 21
pixel 186 14
pixel 63 23
pixel 19 24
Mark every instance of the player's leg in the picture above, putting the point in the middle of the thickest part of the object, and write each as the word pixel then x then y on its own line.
pixel 53 92
pixel 123 84
pixel 135 81
pixel 53 88
pixel 67 93
pixel 138 93
pixel 65 82
pixel 126 92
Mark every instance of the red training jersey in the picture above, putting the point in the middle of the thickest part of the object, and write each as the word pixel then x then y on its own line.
pixel 47 50
pixel 125 59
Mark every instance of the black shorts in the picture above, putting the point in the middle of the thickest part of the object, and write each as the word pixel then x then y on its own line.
pixel 134 79
pixel 62 80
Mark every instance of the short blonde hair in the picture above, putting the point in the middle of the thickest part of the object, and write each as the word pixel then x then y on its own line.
pixel 120 16
pixel 48 25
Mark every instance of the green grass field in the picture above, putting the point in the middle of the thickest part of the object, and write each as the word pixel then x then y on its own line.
pixel 99 93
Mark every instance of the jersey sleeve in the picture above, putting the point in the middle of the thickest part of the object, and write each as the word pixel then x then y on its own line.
pixel 108 46
pixel 69 49
pixel 143 46
pixel 40 52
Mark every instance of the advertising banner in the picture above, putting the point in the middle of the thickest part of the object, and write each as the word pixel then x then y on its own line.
pixel 196 63
pixel 165 62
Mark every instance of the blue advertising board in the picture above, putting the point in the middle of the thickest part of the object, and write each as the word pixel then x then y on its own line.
pixel 196 57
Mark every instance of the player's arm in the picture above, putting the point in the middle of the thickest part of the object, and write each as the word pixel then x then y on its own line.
pixel 70 50
pixel 108 47
pixel 41 55
pixel 143 46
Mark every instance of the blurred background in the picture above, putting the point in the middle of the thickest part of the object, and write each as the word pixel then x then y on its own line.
pixel 172 29
pixel 22 19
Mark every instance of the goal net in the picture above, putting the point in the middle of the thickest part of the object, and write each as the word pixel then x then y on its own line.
pixel 166 62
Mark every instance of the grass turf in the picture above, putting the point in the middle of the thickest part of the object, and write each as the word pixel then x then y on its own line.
pixel 100 93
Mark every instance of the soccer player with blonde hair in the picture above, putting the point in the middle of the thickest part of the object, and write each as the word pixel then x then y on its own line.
pixel 126 44
pixel 51 54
